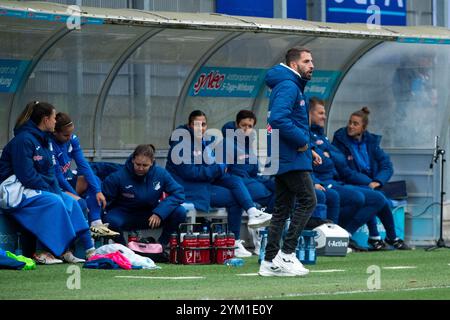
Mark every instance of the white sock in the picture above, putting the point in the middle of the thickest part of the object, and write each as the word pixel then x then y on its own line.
pixel 375 238
pixel 96 223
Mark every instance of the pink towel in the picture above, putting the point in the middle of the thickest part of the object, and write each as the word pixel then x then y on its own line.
pixel 117 257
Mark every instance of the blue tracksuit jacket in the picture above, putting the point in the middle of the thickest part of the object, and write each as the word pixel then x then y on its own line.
pixel 380 163
pixel 194 175
pixel 64 153
pixel 334 167
pixel 288 112
pixel 125 189
pixel 29 156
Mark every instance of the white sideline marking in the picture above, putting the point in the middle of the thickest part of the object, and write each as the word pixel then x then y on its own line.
pixel 399 267
pixel 318 271
pixel 294 295
pixel 160 278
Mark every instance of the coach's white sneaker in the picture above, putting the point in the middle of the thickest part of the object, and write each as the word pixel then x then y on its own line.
pixel 268 269
pixel 290 264
pixel 258 219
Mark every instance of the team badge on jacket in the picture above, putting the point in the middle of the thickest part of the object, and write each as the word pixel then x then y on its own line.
pixel 156 185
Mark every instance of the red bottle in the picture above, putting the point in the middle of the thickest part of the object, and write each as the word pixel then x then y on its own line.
pixel 204 243
pixel 220 247
pixel 188 248
pixel 173 243
pixel 230 241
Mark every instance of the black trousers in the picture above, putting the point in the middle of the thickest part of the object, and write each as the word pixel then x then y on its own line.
pixel 295 198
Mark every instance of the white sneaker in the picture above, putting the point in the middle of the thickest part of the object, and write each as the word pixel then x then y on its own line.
pixel 268 269
pixel 240 251
pixel 70 258
pixel 259 219
pixel 290 264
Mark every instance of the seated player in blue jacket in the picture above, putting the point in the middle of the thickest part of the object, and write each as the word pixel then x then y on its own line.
pixel 364 154
pixel 134 195
pixel 66 147
pixel 357 204
pixel 207 184
pixel 242 159
pixel 52 216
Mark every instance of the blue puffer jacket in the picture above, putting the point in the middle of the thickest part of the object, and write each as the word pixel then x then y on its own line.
pixel 125 189
pixel 29 156
pixel 380 163
pixel 244 170
pixel 334 168
pixel 64 153
pixel 194 174
pixel 288 112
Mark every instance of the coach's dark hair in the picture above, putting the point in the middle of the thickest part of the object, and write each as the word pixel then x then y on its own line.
pixel 294 54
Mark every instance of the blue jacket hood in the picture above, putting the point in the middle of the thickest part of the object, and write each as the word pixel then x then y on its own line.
pixel 32 128
pixel 281 73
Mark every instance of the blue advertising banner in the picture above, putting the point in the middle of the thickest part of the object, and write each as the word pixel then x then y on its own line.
pixel 227 82
pixel 321 84
pixel 381 12
pixel 48 16
pixel 252 8
pixel 11 71
pixel 296 9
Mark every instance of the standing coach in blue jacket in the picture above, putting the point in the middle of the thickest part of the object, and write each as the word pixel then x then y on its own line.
pixel 294 189
pixel 134 196
pixel 364 154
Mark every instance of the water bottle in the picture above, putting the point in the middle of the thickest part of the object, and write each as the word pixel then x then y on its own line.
pixel 262 250
pixel 310 250
pixel 18 251
pixel 301 249
pixel 189 244
pixel 173 243
pixel 230 242
pixel 234 262
pixel 220 248
pixel 203 256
